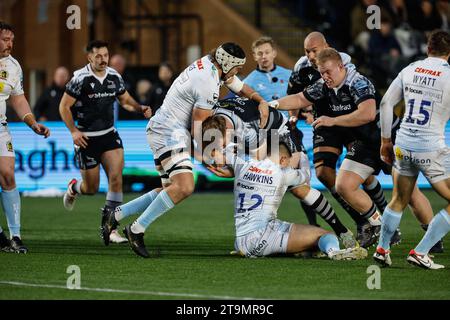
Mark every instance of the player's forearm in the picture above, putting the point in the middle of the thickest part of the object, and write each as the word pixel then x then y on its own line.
pixel 386 116
pixel 355 119
pixel 251 94
pixel 291 102
pixel 392 96
pixel 22 108
pixel 129 104
pixel 66 116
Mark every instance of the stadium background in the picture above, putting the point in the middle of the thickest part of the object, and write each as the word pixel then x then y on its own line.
pixel 147 32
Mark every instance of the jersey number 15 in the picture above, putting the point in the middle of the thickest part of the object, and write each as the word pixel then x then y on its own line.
pixel 425 109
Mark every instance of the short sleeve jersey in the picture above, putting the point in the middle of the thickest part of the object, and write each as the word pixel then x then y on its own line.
pixel 197 86
pixel 244 116
pixel 94 109
pixel 344 100
pixel 259 187
pixel 426 90
pixel 304 75
pixel 11 78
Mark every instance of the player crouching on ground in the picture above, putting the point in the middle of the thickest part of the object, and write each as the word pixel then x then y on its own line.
pixel 259 187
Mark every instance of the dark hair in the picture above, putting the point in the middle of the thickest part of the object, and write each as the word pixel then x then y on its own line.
pixel 5 26
pixel 439 43
pixel 234 49
pixel 96 44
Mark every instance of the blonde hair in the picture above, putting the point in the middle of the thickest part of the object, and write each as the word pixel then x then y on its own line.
pixel 262 40
pixel 328 54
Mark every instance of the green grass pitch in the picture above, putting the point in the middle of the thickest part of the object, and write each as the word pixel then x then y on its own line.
pixel 190 247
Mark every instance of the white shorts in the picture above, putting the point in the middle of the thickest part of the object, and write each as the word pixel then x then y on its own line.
pixel 169 140
pixel 271 240
pixel 435 165
pixel 6 147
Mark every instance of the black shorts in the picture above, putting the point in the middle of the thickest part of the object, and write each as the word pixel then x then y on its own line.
pixel 336 137
pixel 90 157
pixel 369 155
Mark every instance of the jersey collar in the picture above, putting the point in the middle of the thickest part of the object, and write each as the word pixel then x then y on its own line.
pixel 264 71
pixel 100 79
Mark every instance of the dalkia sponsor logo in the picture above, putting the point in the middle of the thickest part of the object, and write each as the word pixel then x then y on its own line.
pixel 258 170
pixel 101 95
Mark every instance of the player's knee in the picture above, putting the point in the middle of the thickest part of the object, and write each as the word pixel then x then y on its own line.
pixel 325 176
pixel 7 179
pixel 186 190
pixel 90 190
pixel 343 188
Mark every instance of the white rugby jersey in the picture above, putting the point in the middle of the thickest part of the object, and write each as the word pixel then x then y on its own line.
pixel 259 187
pixel 197 86
pixel 11 78
pixel 425 86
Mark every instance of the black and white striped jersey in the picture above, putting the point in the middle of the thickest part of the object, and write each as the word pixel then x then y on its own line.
pixel 94 110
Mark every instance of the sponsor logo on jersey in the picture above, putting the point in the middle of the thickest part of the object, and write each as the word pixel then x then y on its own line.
pixel 428 71
pixel 3 74
pixel 412 90
pixel 341 107
pixel 257 170
pixel 9 146
pixel 214 100
pixel 92 85
pixel 199 64
pixel 244 186
pixel 101 95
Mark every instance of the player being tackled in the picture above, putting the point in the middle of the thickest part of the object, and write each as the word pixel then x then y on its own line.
pixel 258 231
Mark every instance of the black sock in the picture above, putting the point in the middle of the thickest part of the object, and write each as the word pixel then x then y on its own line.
pixel 310 214
pixel 112 204
pixel 356 216
pixel 377 195
pixel 369 213
pixel 323 208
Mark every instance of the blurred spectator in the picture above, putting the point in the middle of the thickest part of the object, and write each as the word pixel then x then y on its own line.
pixel 384 52
pixel 423 15
pixel 118 63
pixel 47 105
pixel 159 90
pixel 443 8
pixel 359 17
pixel 397 11
pixel 143 88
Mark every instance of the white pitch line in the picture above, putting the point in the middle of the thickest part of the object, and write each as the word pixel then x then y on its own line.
pixel 153 293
